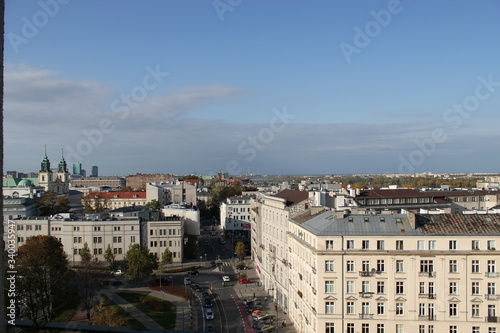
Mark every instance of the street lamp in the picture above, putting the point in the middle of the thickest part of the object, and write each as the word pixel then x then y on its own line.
pixel 205 259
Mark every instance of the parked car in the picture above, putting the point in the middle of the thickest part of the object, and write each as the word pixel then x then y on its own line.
pixel 225 278
pixel 118 272
pixel 187 280
pixel 209 314
pixel 208 302
pixel 241 267
pixel 193 272
pixel 244 280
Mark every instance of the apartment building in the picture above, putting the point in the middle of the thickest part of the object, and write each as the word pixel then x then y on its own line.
pixel 115 200
pixel 235 215
pixel 340 272
pixel 98 232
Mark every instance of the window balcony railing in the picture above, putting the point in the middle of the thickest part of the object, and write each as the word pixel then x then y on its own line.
pixel 366 294
pixel 493 319
pixel 366 273
pixel 492 297
pixel 365 316
pixel 492 274
pixel 430 296
pixel 427 274
pixel 427 318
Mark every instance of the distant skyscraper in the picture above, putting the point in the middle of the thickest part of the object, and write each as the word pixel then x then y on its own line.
pixel 95 171
pixel 77 169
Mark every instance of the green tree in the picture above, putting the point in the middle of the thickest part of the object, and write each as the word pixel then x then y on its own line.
pixel 51 204
pixel 153 204
pixel 167 256
pixel 107 316
pixel 42 267
pixel 139 263
pixel 109 256
pixel 240 250
pixel 85 255
pixel 95 205
pixel 86 279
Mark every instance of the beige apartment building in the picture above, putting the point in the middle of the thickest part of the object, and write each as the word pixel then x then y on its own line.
pixel 385 273
pixel 115 200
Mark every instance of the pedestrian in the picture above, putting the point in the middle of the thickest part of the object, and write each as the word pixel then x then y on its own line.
pixel 265 299
pixel 283 323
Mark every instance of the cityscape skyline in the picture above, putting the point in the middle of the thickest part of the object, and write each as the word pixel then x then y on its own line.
pixel 302 88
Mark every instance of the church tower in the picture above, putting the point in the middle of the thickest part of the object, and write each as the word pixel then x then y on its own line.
pixel 62 175
pixel 45 174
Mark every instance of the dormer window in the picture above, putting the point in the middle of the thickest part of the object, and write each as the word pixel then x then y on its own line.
pixel 116 195
pixel 135 195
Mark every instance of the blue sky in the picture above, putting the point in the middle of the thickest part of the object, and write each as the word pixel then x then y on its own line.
pixel 280 87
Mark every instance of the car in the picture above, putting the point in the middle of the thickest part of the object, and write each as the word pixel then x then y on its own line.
pixel 212 263
pixel 242 267
pixel 193 272
pixel 267 328
pixel 199 289
pixel 118 272
pixel 244 281
pixel 208 303
pixel 256 312
pixel 226 278
pixel 206 295
pixel 187 280
pixel 210 328
pixel 209 314
pixel 223 241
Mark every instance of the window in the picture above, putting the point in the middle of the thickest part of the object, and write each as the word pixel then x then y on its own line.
pixel 330 328
pixel 380 328
pixel 421 289
pixel 452 245
pixel 421 328
pixel 329 266
pixel 421 309
pixel 350 328
pixel 475 288
pixel 475 329
pixel 426 266
pixel 475 310
pixel 350 307
pixel 329 244
pixel 430 329
pixel 329 286
pixel 399 245
pixel 366 265
pixel 492 330
pixel 432 245
pixel 116 228
pixel 491 266
pixel 329 307
pixel 74 228
pixel 380 245
pixel 453 266
pixel 365 328
pixel 97 228
pixel 365 308
pixel 399 309
pixel 380 287
pixel 350 265
pixel 491 288
pixel 453 310
pixel 365 244
pixel 365 286
pixel 400 266
pixel 117 239
pixel 453 288
pixel 475 245
pixel 350 287
pixel 399 328
pixel 453 329
pixel 380 265
pixel 475 266
pixel 399 287
pixel 350 244
pixel 132 239
pixel 491 310
pixel 421 245
pixel 380 308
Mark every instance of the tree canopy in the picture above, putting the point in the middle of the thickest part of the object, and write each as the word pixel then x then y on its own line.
pixel 42 267
pixel 51 204
pixel 139 263
pixel 240 250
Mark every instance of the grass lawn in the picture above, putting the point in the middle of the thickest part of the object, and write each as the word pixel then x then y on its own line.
pixel 131 321
pixel 67 312
pixel 163 312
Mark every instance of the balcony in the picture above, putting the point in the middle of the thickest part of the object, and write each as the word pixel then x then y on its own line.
pixel 492 274
pixel 365 316
pixel 492 297
pixel 427 274
pixel 366 294
pixel 366 273
pixel 427 318
pixel 429 296
pixel 492 319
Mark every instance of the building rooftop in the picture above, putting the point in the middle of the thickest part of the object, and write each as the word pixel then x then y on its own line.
pixel 292 197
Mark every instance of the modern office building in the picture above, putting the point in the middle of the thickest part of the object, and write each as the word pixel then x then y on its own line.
pixel 77 169
pixel 95 171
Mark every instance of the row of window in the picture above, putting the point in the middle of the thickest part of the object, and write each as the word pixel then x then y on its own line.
pixel 163 232
pixel 421 245
pixel 381 328
pixel 424 309
pixel 29 227
pixel 426 266
pixel 164 243
pixel 116 250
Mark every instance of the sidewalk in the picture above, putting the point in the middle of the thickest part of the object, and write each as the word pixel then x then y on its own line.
pixel 258 291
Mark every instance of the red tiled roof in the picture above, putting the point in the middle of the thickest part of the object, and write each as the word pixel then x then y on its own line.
pixel 192 181
pixel 292 197
pixel 117 195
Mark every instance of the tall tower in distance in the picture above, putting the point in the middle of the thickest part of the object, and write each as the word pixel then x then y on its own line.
pixel 45 174
pixel 77 169
pixel 95 171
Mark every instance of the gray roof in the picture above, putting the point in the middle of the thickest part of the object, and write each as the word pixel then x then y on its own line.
pixel 326 224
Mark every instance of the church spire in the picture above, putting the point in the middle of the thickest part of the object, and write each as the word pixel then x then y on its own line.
pixel 62 163
pixel 45 165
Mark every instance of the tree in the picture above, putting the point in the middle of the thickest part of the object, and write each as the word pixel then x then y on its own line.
pixel 139 263
pixel 153 204
pixel 107 316
pixel 240 250
pixel 167 256
pixel 85 255
pixel 52 204
pixel 95 205
pixel 86 279
pixel 109 256
pixel 42 267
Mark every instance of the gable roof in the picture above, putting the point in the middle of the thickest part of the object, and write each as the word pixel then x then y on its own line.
pixel 117 195
pixel 292 197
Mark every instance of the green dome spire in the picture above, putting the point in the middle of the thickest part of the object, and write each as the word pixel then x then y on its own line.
pixel 62 163
pixel 45 165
